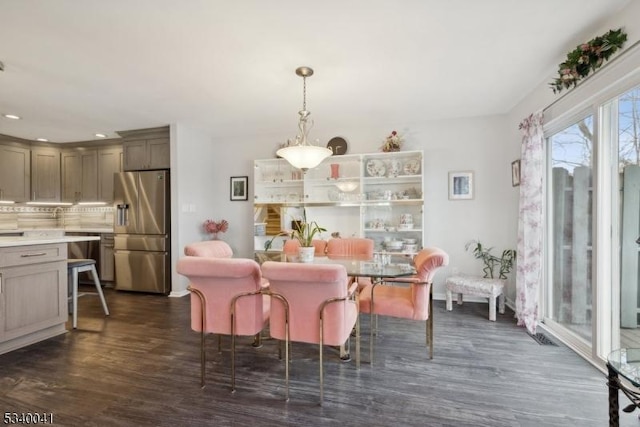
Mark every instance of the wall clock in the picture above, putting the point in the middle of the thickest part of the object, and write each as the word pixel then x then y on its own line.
pixel 338 145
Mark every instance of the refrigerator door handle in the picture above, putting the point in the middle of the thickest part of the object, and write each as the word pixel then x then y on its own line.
pixel 122 216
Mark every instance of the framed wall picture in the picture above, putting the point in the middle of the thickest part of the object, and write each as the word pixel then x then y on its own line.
pixel 515 173
pixel 460 185
pixel 239 188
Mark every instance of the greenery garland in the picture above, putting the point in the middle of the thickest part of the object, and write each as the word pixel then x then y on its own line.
pixel 586 58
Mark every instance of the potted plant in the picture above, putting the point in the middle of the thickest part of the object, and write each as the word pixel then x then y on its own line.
pixel 303 231
pixel 505 262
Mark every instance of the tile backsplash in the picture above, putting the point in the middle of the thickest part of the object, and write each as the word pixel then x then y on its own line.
pixel 75 217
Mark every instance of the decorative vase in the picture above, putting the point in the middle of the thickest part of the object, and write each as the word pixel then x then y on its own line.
pixel 335 171
pixel 305 253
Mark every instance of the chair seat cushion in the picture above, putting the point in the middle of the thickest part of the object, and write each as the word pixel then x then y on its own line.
pixel 392 301
pixel 475 285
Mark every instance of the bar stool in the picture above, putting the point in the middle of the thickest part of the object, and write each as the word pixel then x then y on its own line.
pixel 74 267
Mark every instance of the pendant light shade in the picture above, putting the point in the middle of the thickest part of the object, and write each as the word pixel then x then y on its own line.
pixel 299 153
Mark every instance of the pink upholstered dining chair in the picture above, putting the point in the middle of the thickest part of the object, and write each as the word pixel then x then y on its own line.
pixel 226 299
pixel 413 301
pixel 355 247
pixel 350 246
pixel 291 246
pixel 209 248
pixel 311 303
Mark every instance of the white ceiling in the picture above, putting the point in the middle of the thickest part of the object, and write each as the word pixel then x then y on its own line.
pixel 74 68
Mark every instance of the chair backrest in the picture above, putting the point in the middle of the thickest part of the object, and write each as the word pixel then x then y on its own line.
pixel 306 287
pixel 220 279
pixel 427 263
pixel 209 248
pixel 291 246
pixel 351 246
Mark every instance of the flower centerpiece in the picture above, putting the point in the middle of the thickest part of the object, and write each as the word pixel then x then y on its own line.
pixel 392 142
pixel 213 227
pixel 586 58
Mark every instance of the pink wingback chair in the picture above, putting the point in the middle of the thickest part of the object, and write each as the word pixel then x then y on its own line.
pixel 352 246
pixel 409 302
pixel 291 246
pixel 311 303
pixel 226 299
pixel 209 248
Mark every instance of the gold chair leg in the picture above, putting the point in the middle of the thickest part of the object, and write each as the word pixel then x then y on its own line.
pixel 430 324
pixel 257 340
pixel 203 357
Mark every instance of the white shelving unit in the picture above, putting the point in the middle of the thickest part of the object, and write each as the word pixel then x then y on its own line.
pixel 373 195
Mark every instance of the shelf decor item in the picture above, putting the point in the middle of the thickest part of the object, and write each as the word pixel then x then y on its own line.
pixel 587 58
pixel 393 142
pixel 212 227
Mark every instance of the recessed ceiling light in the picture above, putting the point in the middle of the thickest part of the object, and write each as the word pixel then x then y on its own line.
pixel 12 116
pixel 42 139
pixel 101 135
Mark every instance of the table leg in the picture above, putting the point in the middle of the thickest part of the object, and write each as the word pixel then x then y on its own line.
pixel 613 383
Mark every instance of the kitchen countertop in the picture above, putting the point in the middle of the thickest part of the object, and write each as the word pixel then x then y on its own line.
pixel 66 230
pixel 12 241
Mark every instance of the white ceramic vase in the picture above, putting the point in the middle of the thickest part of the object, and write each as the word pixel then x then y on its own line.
pixel 305 254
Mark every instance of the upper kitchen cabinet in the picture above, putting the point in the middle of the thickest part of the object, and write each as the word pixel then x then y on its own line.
pixel 80 175
pixel 110 161
pixel 15 171
pixel 45 174
pixel 146 149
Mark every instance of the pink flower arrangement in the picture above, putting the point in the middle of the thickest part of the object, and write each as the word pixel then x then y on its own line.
pixel 211 226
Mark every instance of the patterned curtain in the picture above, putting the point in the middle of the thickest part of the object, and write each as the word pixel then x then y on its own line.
pixel 529 249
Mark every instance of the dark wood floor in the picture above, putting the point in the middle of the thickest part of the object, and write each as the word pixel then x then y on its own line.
pixel 140 366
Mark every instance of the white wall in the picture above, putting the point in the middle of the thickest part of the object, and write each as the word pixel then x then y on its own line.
pixel 475 144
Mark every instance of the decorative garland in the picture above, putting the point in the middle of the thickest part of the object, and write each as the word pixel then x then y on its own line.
pixel 586 58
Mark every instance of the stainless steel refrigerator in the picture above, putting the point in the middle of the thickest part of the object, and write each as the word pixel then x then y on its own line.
pixel 142 231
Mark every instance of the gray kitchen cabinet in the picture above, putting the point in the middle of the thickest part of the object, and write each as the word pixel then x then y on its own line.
pixel 110 161
pixel 79 175
pixel 45 174
pixel 143 154
pixel 15 171
pixel 33 292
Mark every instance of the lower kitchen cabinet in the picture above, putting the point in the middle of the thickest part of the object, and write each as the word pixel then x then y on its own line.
pixel 33 294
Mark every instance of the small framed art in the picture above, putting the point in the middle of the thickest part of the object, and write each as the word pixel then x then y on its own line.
pixel 239 188
pixel 515 173
pixel 460 185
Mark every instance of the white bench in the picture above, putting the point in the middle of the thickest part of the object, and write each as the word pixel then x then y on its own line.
pixel 478 286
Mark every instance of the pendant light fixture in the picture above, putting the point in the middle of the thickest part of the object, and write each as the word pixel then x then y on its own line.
pixel 299 153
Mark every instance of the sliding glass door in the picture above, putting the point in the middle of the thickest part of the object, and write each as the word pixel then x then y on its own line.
pixel 570 221
pixel 627 114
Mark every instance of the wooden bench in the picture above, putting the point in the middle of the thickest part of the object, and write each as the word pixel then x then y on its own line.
pixel 477 286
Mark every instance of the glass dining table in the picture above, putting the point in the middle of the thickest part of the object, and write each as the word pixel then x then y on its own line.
pixel 355 266
pixel 375 268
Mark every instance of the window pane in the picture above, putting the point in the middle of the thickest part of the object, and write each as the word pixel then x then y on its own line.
pixel 629 172
pixel 571 158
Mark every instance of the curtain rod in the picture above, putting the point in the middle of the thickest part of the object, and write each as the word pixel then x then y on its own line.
pixel 613 60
